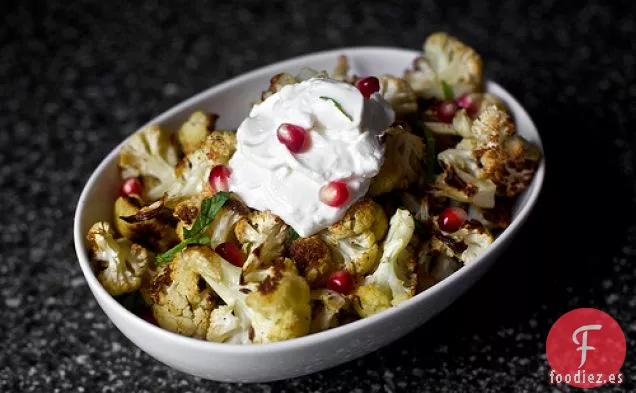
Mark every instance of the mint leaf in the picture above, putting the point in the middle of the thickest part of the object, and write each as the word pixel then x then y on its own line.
pixel 431 160
pixel 291 236
pixel 209 209
pixel 167 256
pixel 337 104
pixel 448 91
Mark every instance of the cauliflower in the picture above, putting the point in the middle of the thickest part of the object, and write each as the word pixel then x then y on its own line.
pixel 491 159
pixel 182 302
pixel 195 130
pixel 146 225
pixel 150 153
pixel 462 121
pixel 498 217
pixel 341 70
pixel 281 80
pixel 354 240
pixel 434 267
pixel 464 244
pixel 398 93
pixel 120 262
pixel 220 230
pixel 394 280
pixel 193 171
pixel 262 236
pixel 275 308
pixel 403 161
pixel 424 209
pixel 313 260
pixel 327 306
pixel 445 60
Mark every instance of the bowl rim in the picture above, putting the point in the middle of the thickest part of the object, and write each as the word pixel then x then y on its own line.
pixel 409 305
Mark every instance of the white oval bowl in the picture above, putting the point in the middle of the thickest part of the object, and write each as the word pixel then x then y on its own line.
pixel 304 355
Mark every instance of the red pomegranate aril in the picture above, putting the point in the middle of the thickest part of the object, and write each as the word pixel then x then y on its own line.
pixel 451 219
pixel 469 103
pixel 341 282
pixel 292 136
pixel 446 111
pixel 219 178
pixel 130 187
pixel 231 253
pixel 368 86
pixel 334 194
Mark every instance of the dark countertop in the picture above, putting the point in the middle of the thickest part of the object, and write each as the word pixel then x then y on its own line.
pixel 76 78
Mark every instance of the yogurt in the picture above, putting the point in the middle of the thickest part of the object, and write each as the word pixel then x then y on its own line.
pixel 343 130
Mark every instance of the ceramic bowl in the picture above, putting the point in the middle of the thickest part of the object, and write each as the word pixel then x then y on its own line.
pixel 300 356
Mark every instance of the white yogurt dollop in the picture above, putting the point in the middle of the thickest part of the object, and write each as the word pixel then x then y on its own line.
pixel 267 176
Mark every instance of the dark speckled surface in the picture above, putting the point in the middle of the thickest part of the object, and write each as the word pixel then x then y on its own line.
pixel 76 78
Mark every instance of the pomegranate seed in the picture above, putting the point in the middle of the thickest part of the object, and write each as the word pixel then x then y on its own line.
pixel 219 176
pixel 292 136
pixel 469 103
pixel 451 219
pixel 130 187
pixel 334 194
pixel 231 253
pixel 446 111
pixel 340 282
pixel 368 86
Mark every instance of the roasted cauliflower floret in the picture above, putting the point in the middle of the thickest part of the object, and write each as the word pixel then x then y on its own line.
pixel 491 159
pixel 403 161
pixel 354 240
pixel 395 279
pixel 313 260
pixel 465 244
pixel 182 302
pixel 273 306
pixel 327 306
pixel 221 229
pixel 445 60
pixel 119 262
pixel 195 130
pixel 341 70
pixel 281 80
pixel 193 171
pixel 151 155
pixel 147 225
pixel 262 236
pixel 434 267
pixel 398 93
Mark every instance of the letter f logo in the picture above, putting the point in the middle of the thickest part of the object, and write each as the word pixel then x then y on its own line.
pixel 584 347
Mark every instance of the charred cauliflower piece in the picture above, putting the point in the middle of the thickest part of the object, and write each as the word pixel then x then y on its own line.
pixel 147 225
pixel 354 240
pixel 398 93
pixel 403 161
pixel 465 244
pixel 491 159
pixel 395 279
pixel 119 262
pixel 313 260
pixel 445 60
pixel 273 306
pixel 151 155
pixel 194 169
pixel 262 236
pixel 281 80
pixel 195 130
pixel 327 306
pixel 182 302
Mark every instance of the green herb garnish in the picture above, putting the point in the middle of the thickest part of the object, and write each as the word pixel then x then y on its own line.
pixel 167 256
pixel 210 207
pixel 448 91
pixel 430 153
pixel 337 104
pixel 291 236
